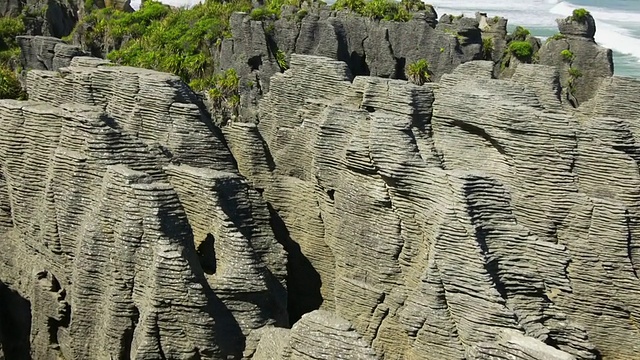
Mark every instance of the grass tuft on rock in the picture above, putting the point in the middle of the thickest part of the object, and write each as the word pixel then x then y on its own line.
pixel 567 55
pixel 580 15
pixel 487 48
pixel 418 72
pixel 523 50
pixel 520 33
pixel 389 10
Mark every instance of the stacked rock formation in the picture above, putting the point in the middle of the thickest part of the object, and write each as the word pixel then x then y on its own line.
pixel 465 219
pixel 126 224
pixel 584 64
pixel 369 47
pixel 471 218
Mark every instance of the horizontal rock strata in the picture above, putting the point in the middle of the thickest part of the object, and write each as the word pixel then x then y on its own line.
pixel 104 229
pixel 438 217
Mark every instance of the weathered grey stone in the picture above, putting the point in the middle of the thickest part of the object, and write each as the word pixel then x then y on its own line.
pixel 46 53
pixel 318 335
pixel 584 65
pixel 572 27
pixel 104 229
pixel 438 216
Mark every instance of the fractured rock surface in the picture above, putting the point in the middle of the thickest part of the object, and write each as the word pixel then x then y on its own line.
pixel 126 224
pixel 473 218
pixel 439 217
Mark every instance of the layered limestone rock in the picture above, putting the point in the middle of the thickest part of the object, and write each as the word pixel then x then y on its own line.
pixel 318 335
pixel 499 225
pixel 582 63
pixel 368 46
pixel 46 53
pixel 125 223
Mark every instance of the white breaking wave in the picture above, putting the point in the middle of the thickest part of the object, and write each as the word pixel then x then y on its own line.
pixel 610 24
pixel 609 35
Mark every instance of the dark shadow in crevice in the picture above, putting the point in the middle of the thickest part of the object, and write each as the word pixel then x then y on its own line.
pixel 207 255
pixel 399 70
pixel 15 324
pixel 472 129
pixel 255 62
pixel 127 338
pixel 226 331
pixel 303 281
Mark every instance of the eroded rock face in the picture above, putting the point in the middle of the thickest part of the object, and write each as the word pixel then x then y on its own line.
pixel 582 63
pixel 465 219
pixel 438 216
pixel 369 47
pixel 126 224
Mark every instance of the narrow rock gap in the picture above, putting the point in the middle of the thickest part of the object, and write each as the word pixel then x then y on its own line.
pixel 15 324
pixel 207 255
pixel 303 281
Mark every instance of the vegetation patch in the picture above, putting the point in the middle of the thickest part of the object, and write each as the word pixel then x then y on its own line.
pixel 522 50
pixel 418 72
pixel 10 87
pixel 281 58
pixel 487 48
pixel 574 74
pixel 580 15
pixel 557 36
pixel 520 33
pixel 389 10
pixel 567 55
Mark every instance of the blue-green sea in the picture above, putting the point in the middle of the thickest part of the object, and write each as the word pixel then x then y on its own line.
pixel 617 22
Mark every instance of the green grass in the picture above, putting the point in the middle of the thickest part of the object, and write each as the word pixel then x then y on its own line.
pixel 557 36
pixel 418 72
pixel 165 39
pixel 487 48
pixel 281 58
pixel 521 50
pixel 10 87
pixel 567 55
pixel 580 15
pixel 389 10
pixel 520 33
pixel 574 72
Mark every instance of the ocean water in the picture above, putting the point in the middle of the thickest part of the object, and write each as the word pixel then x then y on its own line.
pixel 617 22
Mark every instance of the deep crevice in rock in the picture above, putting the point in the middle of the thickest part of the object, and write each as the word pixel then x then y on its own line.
pixel 15 324
pixel 303 281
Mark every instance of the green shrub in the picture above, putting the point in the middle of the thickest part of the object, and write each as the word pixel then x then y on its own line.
pixel 354 5
pixel 281 58
pixel 390 10
pixel 574 72
pixel 521 50
pixel 10 87
pixel 260 14
pixel 164 38
pixel 557 36
pixel 567 55
pixel 10 27
pixel 521 33
pixel 418 72
pixel 413 5
pixel 487 47
pixel 301 14
pixel 580 15
pixel 386 9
